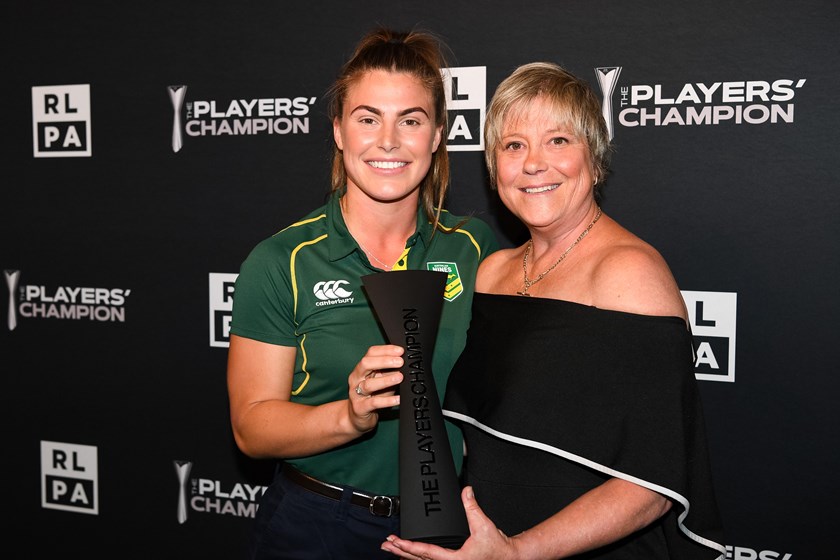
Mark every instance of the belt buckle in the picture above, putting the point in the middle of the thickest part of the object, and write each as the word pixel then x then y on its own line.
pixel 383 506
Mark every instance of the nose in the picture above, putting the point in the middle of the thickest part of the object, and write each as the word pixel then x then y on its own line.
pixel 389 138
pixel 534 162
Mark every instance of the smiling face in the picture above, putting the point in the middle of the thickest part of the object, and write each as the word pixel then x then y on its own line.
pixel 387 135
pixel 544 172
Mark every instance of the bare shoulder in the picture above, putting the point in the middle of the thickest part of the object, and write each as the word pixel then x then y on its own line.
pixel 495 269
pixel 632 276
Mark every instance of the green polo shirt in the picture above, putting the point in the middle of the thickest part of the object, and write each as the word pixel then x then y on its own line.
pixel 302 287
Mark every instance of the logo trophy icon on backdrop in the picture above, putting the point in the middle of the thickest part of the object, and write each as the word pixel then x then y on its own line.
pixel 12 277
pixel 607 78
pixel 177 95
pixel 182 469
pixel 408 304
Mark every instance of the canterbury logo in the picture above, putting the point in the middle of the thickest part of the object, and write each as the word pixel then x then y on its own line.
pixel 331 289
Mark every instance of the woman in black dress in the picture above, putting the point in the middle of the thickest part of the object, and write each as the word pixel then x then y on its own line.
pixel 576 391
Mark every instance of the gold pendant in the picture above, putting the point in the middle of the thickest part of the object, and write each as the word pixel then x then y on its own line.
pixel 523 294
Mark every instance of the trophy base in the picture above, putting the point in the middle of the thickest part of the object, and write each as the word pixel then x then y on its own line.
pixel 453 542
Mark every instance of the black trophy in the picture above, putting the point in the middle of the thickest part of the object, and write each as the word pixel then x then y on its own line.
pixel 408 304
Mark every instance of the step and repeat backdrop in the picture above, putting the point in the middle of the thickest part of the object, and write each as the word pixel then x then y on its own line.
pixel 149 146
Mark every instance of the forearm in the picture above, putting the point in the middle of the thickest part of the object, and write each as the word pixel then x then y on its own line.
pixel 282 429
pixel 266 423
pixel 603 515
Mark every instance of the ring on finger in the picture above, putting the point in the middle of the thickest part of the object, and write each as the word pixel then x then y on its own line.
pixel 359 390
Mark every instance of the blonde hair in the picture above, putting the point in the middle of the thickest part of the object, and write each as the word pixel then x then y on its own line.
pixel 572 99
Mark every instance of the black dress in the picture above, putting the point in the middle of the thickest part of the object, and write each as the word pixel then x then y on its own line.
pixel 556 397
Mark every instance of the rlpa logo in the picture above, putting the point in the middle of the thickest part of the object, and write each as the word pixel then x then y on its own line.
pixel 712 316
pixel 69 477
pixel 222 285
pixel 61 121
pixel 466 97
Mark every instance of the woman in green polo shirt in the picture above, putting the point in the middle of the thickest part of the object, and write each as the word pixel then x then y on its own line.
pixel 311 379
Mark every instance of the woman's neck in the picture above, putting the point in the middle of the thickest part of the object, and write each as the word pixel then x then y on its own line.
pixel 380 229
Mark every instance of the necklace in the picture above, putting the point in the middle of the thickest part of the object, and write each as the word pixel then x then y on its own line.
pixel 385 266
pixel 527 281
pixel 359 243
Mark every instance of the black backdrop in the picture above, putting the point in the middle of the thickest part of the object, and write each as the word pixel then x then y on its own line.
pixel 118 251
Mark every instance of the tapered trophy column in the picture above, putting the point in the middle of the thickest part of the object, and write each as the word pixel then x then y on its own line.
pixel 176 95
pixel 408 305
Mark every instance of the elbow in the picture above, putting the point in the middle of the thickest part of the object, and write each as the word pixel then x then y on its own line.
pixel 652 509
pixel 658 508
pixel 665 506
pixel 246 444
pixel 242 445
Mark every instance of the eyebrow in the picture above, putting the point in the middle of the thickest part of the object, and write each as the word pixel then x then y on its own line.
pixel 376 111
pixel 560 129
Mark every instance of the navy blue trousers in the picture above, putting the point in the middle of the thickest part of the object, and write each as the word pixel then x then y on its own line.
pixel 293 523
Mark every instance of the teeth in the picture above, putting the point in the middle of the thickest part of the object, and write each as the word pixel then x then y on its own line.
pixel 542 189
pixel 387 164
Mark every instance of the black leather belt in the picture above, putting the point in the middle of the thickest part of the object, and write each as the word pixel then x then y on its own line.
pixel 382 506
